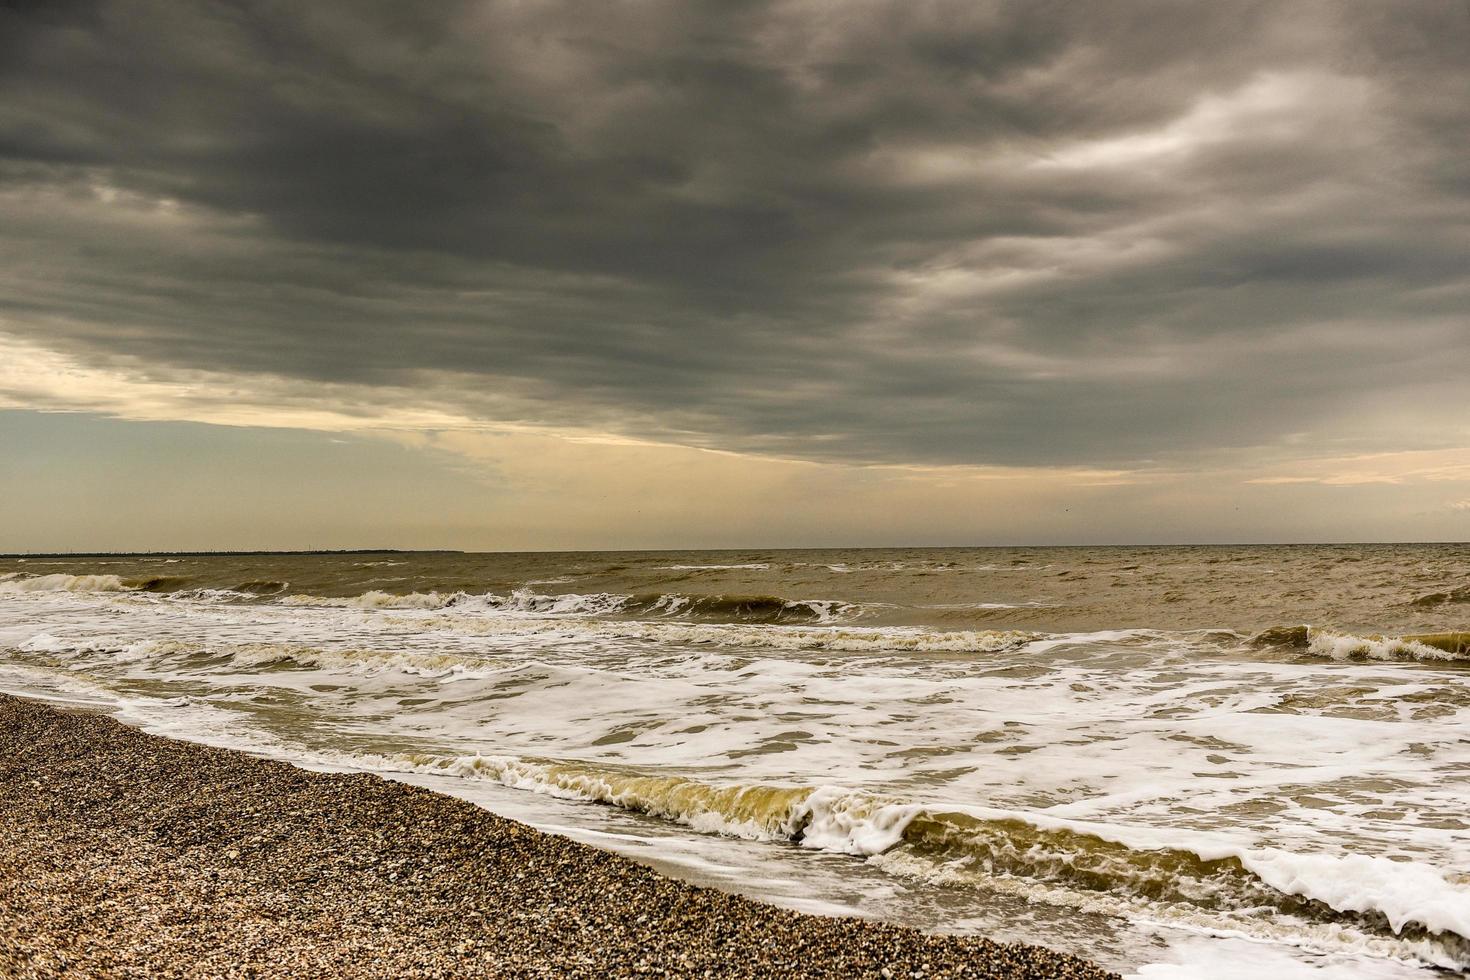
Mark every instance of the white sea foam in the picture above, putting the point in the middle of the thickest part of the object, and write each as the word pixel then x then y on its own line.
pixel 987 605
pixel 212 595
pixel 376 600
pixel 47 643
pixel 1217 957
pixel 844 639
pixel 568 604
pixel 1337 775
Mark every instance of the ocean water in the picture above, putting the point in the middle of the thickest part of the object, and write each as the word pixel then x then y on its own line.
pixel 1182 761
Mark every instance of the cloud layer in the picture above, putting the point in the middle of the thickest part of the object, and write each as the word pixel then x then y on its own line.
pixel 1057 234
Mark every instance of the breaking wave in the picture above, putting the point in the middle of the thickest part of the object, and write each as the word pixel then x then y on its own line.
pixel 378 600
pixel 746 608
pixel 740 608
pixel 1188 878
pixel 262 587
pixel 169 586
pixel 1438 647
pixel 263 656
pixel 61 582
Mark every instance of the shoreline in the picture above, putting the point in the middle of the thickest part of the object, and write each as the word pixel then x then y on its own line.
pixel 125 854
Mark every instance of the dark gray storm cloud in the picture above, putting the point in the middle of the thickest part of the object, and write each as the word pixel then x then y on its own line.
pixel 943 232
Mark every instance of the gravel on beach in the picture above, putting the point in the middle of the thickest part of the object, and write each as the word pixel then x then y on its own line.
pixel 128 855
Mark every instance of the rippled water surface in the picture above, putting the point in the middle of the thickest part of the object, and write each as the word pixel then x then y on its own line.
pixel 1143 754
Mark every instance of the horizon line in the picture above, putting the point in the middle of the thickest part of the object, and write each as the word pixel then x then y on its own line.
pixel 249 552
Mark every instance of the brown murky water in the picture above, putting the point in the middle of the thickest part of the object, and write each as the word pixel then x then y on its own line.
pixel 1148 742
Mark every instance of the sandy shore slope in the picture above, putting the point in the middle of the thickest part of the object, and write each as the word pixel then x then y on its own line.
pixel 123 854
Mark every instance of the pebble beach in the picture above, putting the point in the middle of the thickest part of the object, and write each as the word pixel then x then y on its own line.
pixel 126 855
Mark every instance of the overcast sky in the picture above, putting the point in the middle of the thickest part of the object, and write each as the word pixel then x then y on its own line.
pixel 533 274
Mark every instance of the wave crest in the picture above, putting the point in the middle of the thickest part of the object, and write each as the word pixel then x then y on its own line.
pixel 739 608
pixel 257 587
pixel 1408 909
pixel 376 600
pixel 1451 646
pixel 1461 594
pixel 61 582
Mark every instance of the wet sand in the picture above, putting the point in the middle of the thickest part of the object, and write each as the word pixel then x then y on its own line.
pixel 124 854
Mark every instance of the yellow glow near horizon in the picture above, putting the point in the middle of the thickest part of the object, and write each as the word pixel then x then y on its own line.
pixel 486 484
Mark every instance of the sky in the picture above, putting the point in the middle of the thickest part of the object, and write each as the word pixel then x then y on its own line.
pixel 543 275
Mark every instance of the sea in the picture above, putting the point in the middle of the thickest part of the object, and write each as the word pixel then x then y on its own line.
pixel 1183 762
